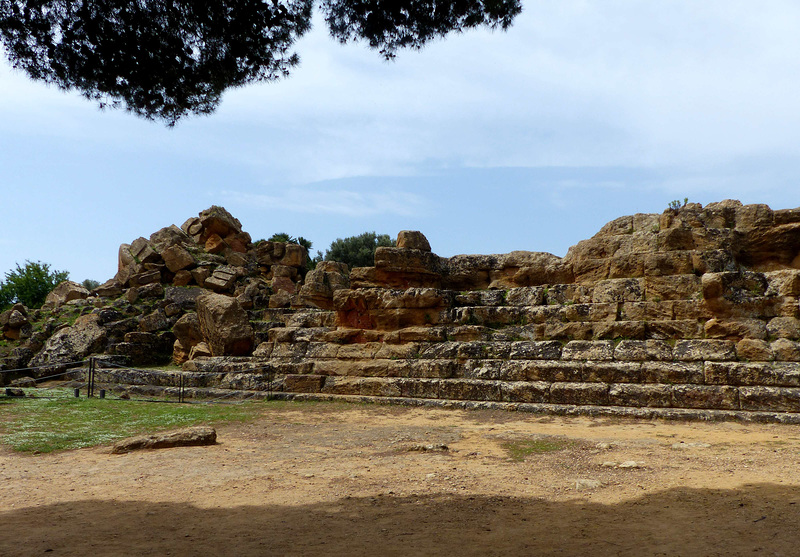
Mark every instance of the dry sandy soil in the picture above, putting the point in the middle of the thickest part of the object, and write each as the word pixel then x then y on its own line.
pixel 336 479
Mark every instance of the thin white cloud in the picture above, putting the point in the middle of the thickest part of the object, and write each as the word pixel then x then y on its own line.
pixel 333 202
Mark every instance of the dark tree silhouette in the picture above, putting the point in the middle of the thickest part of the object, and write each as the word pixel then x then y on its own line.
pixel 164 59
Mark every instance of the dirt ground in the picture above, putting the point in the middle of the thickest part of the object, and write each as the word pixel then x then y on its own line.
pixel 337 479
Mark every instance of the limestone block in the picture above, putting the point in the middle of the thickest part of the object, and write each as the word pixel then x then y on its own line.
pixel 579 393
pixel 341 385
pixel 492 369
pixel 548 370
pixel 784 327
pixel 735 328
pixel 470 389
pixel 672 372
pixel 225 325
pixel 200 350
pixel 641 350
pixel 647 311
pixel 525 296
pixel 141 252
pixel 712 261
pixel 154 321
pixel 619 329
pixel 540 314
pixel 618 290
pixel 610 372
pixel 419 388
pixel 677 262
pixel 620 225
pixel 396 351
pixel 590 270
pixel 303 383
pixel 704 350
pixel 66 291
pixel 530 392
pixel 69 344
pixel 412 239
pixel 677 328
pixel 770 399
pixel 672 287
pixel 653 396
pixel 786 350
pixel 145 277
pixel 754 350
pixel 443 369
pixel 690 309
pixel 447 349
pixel 673 239
pixel 222 279
pixel 568 331
pixel 358 351
pixel 784 282
pixel 588 350
pixel 535 350
pixel 374 386
pixel 629 265
pixel 701 396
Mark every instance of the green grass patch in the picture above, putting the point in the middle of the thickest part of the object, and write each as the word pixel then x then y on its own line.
pixel 519 450
pixel 45 425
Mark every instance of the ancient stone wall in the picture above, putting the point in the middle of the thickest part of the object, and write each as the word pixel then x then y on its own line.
pixel 694 309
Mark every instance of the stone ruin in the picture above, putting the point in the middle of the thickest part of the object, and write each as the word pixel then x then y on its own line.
pixel 690 313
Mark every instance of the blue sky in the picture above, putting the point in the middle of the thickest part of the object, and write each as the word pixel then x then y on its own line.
pixel 487 142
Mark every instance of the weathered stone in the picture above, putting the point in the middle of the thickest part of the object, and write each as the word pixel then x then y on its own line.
pixel 711 397
pixel 588 350
pixel 786 350
pixel 109 289
pixel 154 321
pixel 177 258
pixel 225 325
pixel 754 349
pixel 222 279
pixel 735 328
pixel 579 393
pixel 412 239
pixel 654 396
pixel 700 350
pixel 74 343
pixel 66 291
pixel 784 327
pixel 142 252
pixel 200 350
pixel 189 437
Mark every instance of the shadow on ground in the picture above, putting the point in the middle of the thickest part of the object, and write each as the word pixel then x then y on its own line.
pixel 754 520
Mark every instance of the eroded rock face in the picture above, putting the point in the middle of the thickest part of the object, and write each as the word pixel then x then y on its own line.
pixel 225 325
pixel 74 343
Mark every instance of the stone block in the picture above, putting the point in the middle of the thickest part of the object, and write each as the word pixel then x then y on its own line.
pixel 704 350
pixel 652 396
pixel 647 311
pixel 735 329
pixel 618 290
pixel 375 386
pixel 672 372
pixel 568 331
pixel 661 263
pixel 691 309
pixel 489 369
pixel 619 329
pixel 672 287
pixel 447 349
pixel 419 388
pixel 335 385
pixel 535 350
pixel 769 399
pixel 588 350
pixel 754 350
pixel 677 328
pixel 548 370
pixel 786 350
pixel 590 270
pixel 468 389
pixel 443 369
pixel 525 296
pixel 629 265
pixel 303 383
pixel 610 372
pixel 401 351
pixel 710 397
pixel 537 392
pixel 784 327
pixel 641 350
pixel 595 394
pixel 361 351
